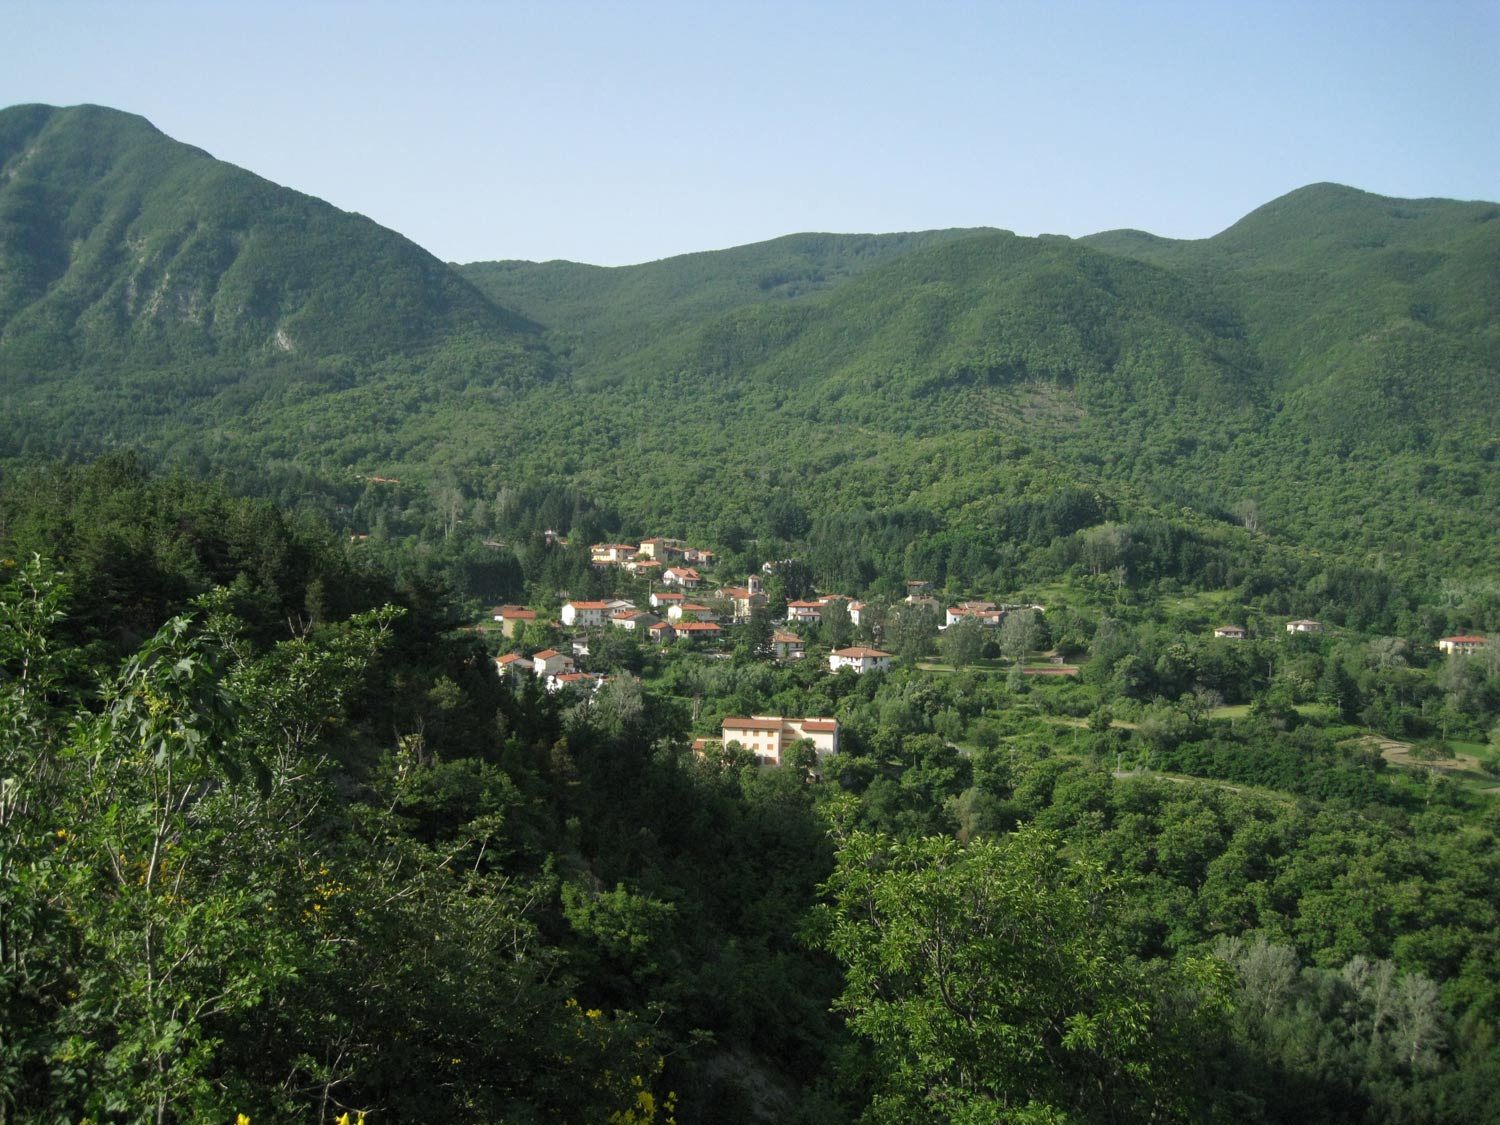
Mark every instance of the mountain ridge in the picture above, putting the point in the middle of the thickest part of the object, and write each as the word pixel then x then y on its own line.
pixel 146 288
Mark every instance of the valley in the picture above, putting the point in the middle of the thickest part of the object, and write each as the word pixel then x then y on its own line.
pixel 1142 593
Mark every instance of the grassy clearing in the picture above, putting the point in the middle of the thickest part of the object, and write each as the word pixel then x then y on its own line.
pixel 1318 712
pixel 1207 602
pixel 1463 768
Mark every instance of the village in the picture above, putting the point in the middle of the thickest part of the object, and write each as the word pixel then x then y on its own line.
pixel 687 607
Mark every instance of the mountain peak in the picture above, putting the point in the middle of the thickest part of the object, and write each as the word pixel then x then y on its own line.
pixel 121 244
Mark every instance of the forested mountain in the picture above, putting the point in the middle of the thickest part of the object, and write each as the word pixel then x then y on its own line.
pixel 1378 318
pixel 121 246
pixel 597 299
pixel 1327 363
pixel 139 276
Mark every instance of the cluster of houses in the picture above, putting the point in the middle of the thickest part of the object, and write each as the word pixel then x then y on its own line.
pixel 1449 646
pixel 666 560
pixel 685 609
pixel 556 670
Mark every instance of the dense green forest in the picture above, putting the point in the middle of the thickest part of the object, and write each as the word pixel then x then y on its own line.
pixel 277 841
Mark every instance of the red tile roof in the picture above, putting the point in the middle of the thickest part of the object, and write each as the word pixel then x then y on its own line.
pixel 752 724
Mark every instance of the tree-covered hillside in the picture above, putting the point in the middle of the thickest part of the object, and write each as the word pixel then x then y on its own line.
pixel 1380 318
pixel 139 275
pixel 277 842
pixel 122 246
pixel 1322 371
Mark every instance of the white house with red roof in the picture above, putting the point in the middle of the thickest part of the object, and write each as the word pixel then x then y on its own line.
pixel 632 620
pixel 805 612
pixel 550 662
pixel 788 646
pixel 511 663
pixel 702 612
pixel 683 576
pixel 861 659
pixel 1230 633
pixel 1461 646
pixel 584 681
pixel 986 613
pixel 585 615
pixel 661 599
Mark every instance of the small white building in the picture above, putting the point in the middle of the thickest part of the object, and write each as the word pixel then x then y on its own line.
pixel 550 662
pixel 585 615
pixel 684 577
pixel 987 614
pixel 585 682
pixel 1461 646
pixel 788 646
pixel 682 609
pixel 511 663
pixel 804 612
pixel 633 620
pixel 862 660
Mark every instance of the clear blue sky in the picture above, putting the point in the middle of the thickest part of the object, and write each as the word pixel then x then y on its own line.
pixel 626 131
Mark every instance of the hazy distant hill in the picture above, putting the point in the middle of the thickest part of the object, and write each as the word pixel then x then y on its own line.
pixel 120 246
pixel 595 299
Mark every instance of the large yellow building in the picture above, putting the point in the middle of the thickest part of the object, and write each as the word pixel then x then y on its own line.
pixel 769 736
